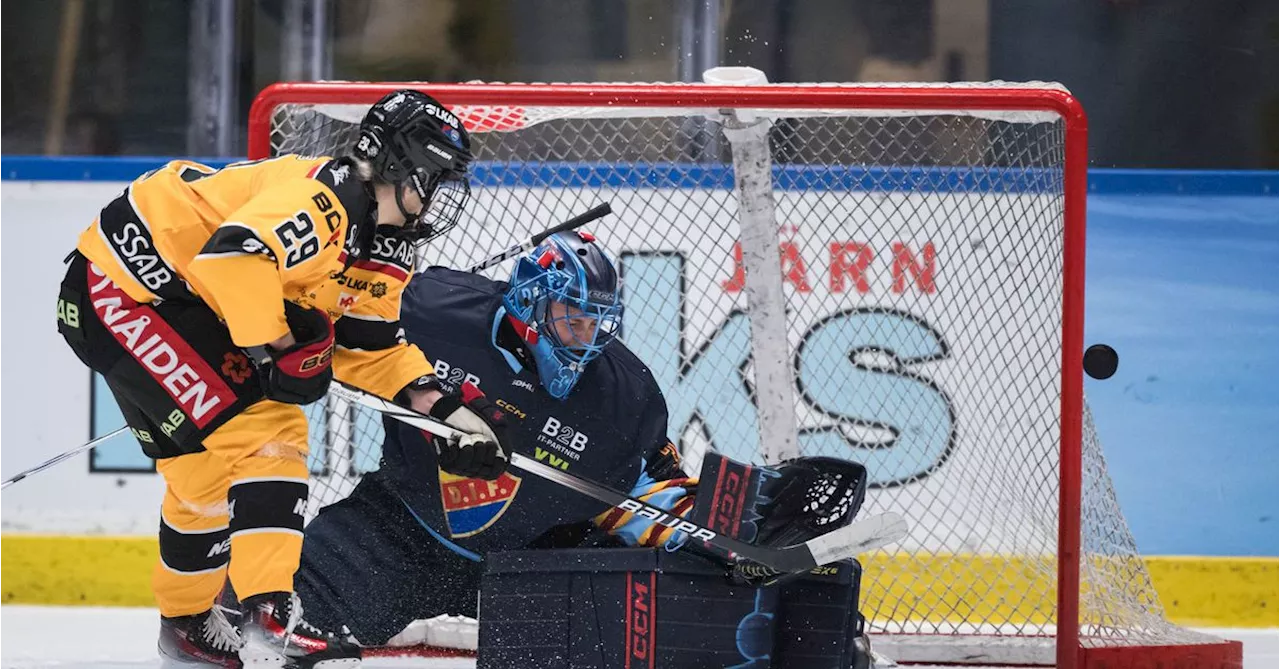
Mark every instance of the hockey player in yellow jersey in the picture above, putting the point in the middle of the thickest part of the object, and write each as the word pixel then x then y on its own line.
pixel 214 302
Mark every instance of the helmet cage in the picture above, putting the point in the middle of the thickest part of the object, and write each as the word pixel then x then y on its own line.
pixel 444 197
pixel 576 352
pixel 529 297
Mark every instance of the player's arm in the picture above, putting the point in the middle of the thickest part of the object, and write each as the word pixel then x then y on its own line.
pixel 662 483
pixel 288 234
pixel 371 352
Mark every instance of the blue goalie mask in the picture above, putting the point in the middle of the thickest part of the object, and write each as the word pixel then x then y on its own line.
pixel 563 302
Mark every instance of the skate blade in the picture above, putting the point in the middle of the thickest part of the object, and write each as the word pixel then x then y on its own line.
pixel 256 653
pixel 168 661
pixel 341 663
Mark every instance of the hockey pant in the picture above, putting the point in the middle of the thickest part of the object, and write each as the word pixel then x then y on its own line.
pixel 368 564
pixel 234 464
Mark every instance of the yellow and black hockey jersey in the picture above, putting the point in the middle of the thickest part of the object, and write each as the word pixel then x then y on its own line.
pixel 245 237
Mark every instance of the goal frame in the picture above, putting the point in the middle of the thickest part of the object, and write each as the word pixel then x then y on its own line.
pixel 975 97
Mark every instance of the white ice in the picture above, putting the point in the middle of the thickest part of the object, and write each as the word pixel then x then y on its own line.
pixel 34 637
pixel 94 637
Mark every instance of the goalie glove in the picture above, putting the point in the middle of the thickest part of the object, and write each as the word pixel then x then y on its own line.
pixel 801 499
pixel 299 374
pixel 782 505
pixel 482 452
pixel 809 497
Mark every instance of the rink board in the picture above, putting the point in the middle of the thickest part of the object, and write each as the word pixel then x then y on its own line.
pixel 1200 591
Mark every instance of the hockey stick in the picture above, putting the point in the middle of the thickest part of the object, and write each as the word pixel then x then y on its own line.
pixel 59 458
pixel 861 536
pixel 596 212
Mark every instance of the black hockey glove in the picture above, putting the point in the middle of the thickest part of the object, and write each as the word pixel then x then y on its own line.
pixel 781 505
pixel 482 453
pixel 299 374
pixel 804 498
pixel 809 497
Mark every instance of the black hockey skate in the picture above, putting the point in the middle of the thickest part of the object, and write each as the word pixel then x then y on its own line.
pixel 276 635
pixel 206 639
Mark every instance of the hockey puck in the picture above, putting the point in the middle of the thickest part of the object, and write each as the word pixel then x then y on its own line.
pixel 1101 361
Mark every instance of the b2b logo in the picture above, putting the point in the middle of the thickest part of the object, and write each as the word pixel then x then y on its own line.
pixel 564 434
pixel 454 376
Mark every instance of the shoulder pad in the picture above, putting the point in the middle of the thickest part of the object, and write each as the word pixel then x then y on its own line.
pixel 339 175
pixel 353 195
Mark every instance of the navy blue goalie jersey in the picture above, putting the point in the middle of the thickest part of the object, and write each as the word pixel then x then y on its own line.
pixel 606 429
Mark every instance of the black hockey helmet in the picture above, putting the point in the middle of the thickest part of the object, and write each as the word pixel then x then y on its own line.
pixel 412 140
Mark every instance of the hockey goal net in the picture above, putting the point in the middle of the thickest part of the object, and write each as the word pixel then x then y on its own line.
pixel 888 273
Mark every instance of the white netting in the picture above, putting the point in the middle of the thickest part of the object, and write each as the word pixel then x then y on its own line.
pixel 922 263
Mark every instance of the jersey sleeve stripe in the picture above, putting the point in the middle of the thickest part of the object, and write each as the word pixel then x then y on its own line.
pixel 390 270
pixel 235 239
pixel 682 507
pixel 127 235
pixel 610 519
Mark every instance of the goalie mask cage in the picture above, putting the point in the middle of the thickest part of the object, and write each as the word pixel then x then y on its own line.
pixel 887 273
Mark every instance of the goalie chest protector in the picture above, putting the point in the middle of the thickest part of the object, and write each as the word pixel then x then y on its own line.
pixel 637 608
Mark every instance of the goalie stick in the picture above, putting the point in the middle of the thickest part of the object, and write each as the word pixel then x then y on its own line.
pixel 859 537
pixel 596 212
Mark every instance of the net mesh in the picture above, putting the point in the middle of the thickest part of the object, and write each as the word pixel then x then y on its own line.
pixel 922 262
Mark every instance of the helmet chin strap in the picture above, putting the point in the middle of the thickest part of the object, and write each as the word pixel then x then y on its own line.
pixel 411 221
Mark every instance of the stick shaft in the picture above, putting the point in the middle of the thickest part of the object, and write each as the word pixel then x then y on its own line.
pixel 833 546
pixel 60 457
pixel 596 212
pixel 557 476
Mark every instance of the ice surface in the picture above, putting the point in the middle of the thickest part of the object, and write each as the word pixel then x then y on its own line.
pixel 43 637
pixel 94 637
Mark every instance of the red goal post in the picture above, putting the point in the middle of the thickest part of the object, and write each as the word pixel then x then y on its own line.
pixel 907 160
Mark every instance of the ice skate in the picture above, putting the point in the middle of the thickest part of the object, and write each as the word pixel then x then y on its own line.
pixel 276 635
pixel 206 639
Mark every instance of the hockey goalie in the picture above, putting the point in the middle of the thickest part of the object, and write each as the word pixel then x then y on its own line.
pixel 536 363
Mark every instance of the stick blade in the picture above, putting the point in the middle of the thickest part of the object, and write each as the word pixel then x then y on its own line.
pixel 862 536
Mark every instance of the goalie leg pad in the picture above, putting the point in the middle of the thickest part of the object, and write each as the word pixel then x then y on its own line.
pixel 818 623
pixel 621 607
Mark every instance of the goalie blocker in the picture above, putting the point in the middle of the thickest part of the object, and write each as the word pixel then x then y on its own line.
pixel 636 607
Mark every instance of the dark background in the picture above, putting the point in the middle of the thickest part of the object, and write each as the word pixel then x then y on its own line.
pixel 1166 83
